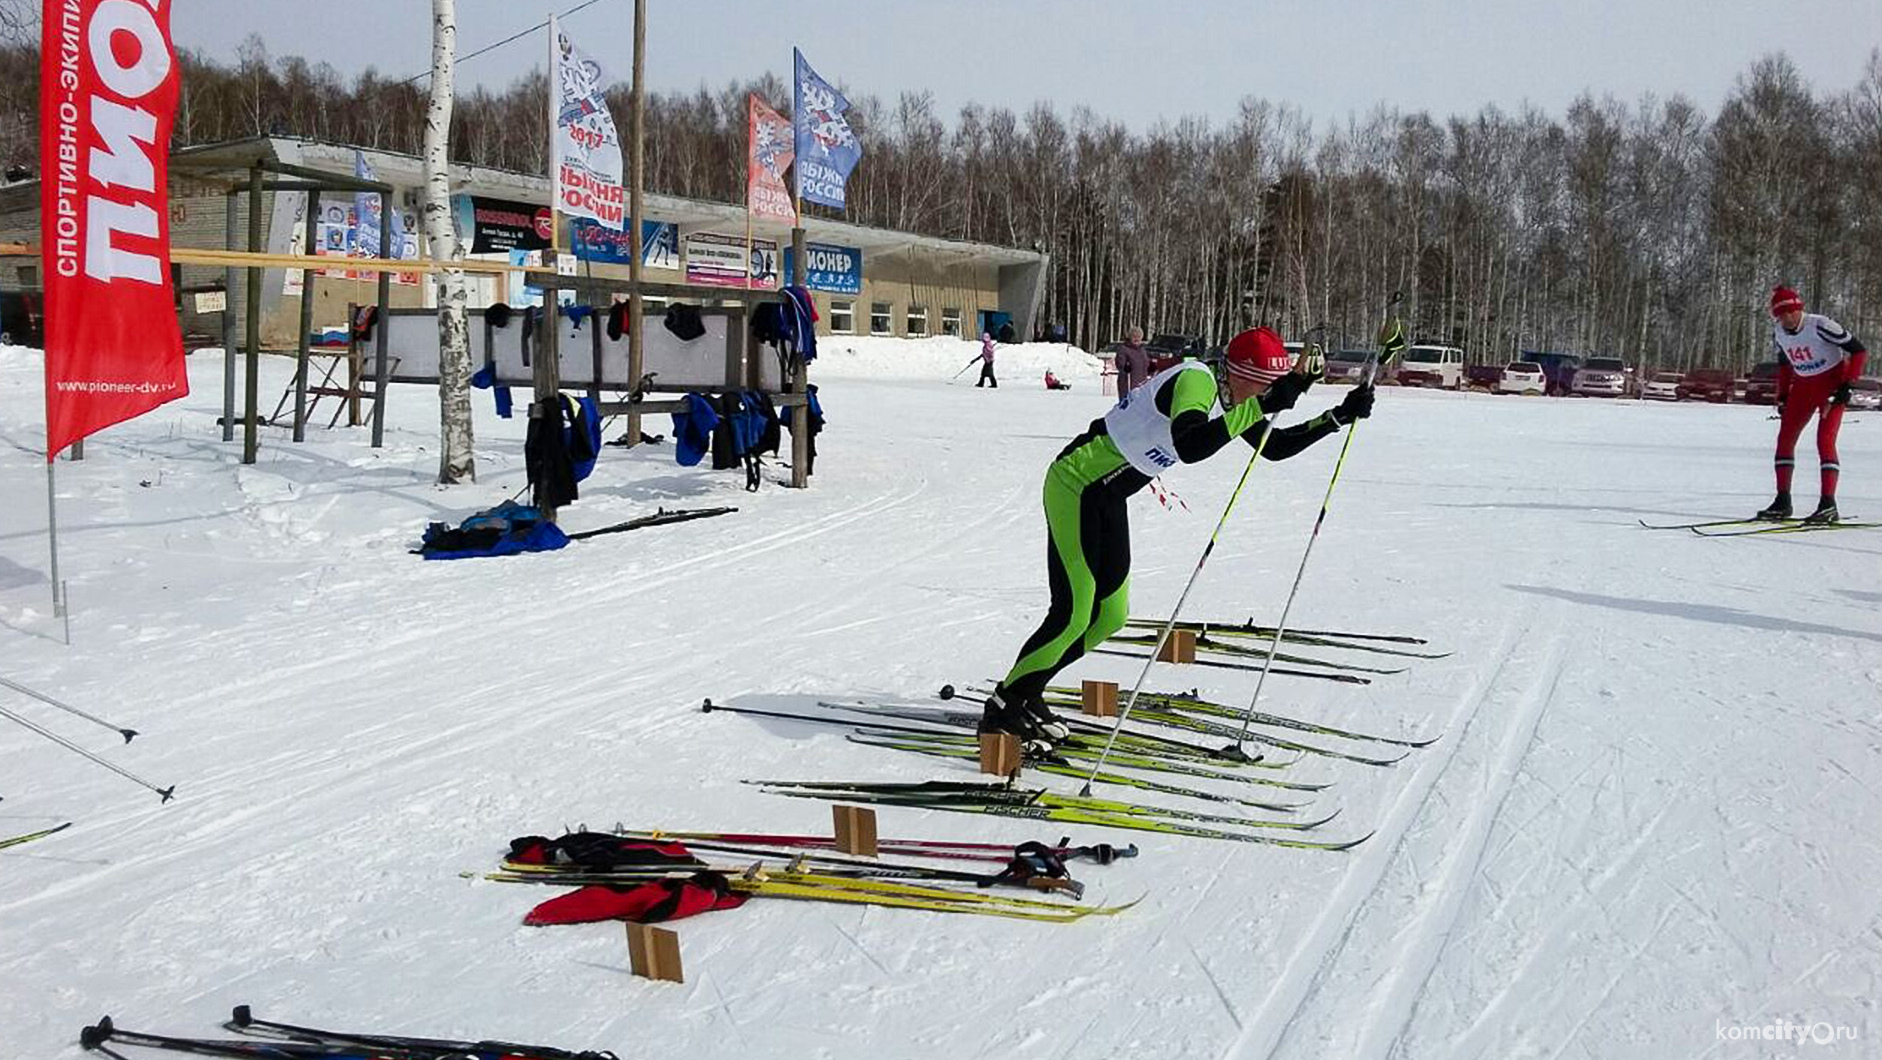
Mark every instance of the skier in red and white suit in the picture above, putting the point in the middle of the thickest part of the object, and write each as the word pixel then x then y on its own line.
pixel 1818 360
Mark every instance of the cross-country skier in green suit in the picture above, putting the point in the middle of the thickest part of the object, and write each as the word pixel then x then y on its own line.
pixel 1169 420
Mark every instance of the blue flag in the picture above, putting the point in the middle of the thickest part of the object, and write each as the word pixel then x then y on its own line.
pixel 826 147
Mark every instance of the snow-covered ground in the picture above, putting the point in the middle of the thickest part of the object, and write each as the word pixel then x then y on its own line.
pixel 1654 819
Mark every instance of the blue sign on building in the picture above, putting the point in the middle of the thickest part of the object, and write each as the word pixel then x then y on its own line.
pixel 838 270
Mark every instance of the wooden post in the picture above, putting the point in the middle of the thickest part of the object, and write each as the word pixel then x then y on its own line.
pixel 228 319
pixel 250 394
pixel 1179 648
pixel 547 369
pixel 311 236
pixel 355 369
pixel 381 325
pixel 635 365
pixel 800 376
pixel 855 830
pixel 1099 698
pixel 999 754
pixel 654 953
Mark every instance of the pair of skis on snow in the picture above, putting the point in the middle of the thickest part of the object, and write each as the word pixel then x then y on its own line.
pixel 1756 527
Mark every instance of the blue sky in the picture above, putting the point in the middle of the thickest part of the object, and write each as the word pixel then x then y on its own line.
pixel 1135 62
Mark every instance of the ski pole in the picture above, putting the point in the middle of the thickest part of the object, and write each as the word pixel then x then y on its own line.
pixel 963 370
pixel 1392 336
pixel 166 793
pixel 43 698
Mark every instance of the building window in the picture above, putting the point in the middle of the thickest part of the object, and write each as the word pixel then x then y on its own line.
pixel 842 317
pixel 917 321
pixel 879 319
pixel 951 322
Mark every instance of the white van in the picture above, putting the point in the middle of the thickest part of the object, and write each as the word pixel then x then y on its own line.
pixel 1440 366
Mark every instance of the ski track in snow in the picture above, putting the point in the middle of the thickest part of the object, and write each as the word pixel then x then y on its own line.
pixel 1654 804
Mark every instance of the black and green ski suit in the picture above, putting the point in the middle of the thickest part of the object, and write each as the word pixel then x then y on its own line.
pixel 1088 522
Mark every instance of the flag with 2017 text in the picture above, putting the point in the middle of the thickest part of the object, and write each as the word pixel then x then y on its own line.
pixel 585 150
pixel 768 154
pixel 827 148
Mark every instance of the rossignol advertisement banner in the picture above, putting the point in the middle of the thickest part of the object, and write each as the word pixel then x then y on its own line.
pixel 768 154
pixel 838 270
pixel 491 226
pixel 585 151
pixel 108 86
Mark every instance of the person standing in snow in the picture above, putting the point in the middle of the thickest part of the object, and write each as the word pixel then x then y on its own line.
pixel 1169 420
pixel 1133 362
pixel 986 362
pixel 1817 361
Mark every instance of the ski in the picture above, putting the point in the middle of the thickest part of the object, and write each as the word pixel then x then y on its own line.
pixel 921 792
pixel 1788 528
pixel 1184 721
pixel 1251 627
pixel 1067 769
pixel 1204 642
pixel 30 836
pixel 1102 853
pixel 1129 758
pixel 1708 524
pixel 1291 637
pixel 1347 679
pixel 1085 733
pixel 1192 704
pixel 763 883
pixel 1100 820
pixel 660 517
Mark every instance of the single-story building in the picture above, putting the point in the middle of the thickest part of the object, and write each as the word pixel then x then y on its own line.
pixel 866 281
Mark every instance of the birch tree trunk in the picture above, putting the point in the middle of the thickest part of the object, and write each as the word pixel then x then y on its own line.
pixel 456 462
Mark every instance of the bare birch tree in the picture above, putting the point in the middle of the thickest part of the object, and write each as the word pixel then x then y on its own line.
pixel 456 462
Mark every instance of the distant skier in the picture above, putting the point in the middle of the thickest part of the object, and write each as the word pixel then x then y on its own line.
pixel 1053 383
pixel 1133 362
pixel 1169 420
pixel 1817 362
pixel 986 362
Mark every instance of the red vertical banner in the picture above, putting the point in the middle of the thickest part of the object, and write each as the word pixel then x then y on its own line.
pixel 768 155
pixel 108 86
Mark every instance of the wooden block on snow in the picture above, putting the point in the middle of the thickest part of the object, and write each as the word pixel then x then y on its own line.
pixel 999 754
pixel 855 830
pixel 1180 648
pixel 1100 698
pixel 654 953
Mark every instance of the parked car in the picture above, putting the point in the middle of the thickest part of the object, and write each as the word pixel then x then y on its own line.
pixel 1167 349
pixel 1603 377
pixel 1664 386
pixel 1558 367
pixel 1866 394
pixel 1707 384
pixel 1440 366
pixel 1761 384
pixel 1483 376
pixel 1348 366
pixel 1522 377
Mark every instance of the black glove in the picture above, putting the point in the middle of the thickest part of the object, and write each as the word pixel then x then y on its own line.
pixel 1282 393
pixel 1840 396
pixel 1357 406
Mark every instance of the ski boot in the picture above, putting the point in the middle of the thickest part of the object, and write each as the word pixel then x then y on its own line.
pixel 1777 511
pixel 1038 730
pixel 1825 513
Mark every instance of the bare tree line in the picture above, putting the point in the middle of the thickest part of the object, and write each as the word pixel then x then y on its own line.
pixel 1646 229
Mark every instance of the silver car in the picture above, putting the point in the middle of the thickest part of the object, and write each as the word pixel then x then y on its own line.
pixel 1601 376
pixel 1866 394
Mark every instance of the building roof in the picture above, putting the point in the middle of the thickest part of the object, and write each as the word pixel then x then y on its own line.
pixel 222 163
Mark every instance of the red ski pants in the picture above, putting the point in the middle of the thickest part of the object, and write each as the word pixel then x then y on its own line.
pixel 1810 395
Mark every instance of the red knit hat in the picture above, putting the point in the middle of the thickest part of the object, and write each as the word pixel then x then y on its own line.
pixel 1257 355
pixel 1784 300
